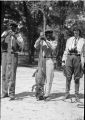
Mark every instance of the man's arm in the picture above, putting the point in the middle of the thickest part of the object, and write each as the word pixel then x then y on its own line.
pixel 4 45
pixel 20 41
pixel 4 34
pixel 83 54
pixel 52 44
pixel 37 43
pixel 65 53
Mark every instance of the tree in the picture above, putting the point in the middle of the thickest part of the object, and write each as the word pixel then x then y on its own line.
pixel 59 14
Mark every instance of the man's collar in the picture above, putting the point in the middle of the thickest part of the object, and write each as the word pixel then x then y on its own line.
pixel 77 38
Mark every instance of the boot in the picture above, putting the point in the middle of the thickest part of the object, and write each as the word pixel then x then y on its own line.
pixel 67 95
pixel 77 98
pixel 77 91
pixel 12 97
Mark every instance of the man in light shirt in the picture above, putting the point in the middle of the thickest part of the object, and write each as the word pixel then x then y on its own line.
pixel 48 44
pixel 73 60
pixel 10 48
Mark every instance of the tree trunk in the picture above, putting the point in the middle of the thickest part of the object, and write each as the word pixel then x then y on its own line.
pixel 29 29
pixel 2 15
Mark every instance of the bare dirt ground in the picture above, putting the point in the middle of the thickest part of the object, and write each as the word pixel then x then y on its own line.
pixel 26 107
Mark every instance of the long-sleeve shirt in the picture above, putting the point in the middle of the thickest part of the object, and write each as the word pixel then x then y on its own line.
pixel 11 42
pixel 70 45
pixel 46 51
pixel 4 45
pixel 47 46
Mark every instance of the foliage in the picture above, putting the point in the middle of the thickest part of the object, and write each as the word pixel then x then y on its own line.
pixel 60 15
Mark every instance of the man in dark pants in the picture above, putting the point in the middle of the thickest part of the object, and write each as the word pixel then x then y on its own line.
pixel 73 60
pixel 13 46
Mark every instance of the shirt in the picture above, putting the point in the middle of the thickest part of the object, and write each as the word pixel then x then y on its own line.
pixel 4 34
pixel 19 38
pixel 47 50
pixel 4 40
pixel 70 45
pixel 44 52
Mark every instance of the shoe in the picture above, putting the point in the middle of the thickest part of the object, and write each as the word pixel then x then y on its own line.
pixel 4 96
pixel 66 96
pixel 12 97
pixel 77 98
pixel 46 98
pixel 41 98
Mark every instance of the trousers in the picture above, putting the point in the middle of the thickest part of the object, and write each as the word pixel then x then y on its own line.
pixel 49 76
pixel 12 61
pixel 8 82
pixel 73 67
pixel 4 80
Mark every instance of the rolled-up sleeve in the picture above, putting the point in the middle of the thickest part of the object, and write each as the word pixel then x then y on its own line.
pixel 54 45
pixel 37 43
pixel 4 34
pixel 66 51
pixel 83 53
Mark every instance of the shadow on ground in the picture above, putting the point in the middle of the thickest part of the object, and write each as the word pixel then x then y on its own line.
pixel 53 96
pixel 61 94
pixel 21 96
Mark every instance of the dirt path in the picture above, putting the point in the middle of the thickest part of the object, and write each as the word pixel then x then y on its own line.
pixel 25 107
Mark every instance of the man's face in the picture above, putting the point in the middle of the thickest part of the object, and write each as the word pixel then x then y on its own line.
pixel 49 35
pixel 76 33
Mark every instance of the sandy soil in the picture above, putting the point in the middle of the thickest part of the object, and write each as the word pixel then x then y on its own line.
pixel 26 107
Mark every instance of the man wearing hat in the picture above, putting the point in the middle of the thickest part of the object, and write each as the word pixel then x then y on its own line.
pixel 4 47
pixel 11 60
pixel 73 60
pixel 48 44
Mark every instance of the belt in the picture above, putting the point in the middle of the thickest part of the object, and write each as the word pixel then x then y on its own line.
pixel 13 52
pixel 74 54
pixel 47 57
pixel 4 51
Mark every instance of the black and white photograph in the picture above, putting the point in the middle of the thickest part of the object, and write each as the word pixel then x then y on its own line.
pixel 42 60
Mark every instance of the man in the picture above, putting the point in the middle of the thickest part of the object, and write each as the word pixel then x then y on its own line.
pixel 48 47
pixel 73 61
pixel 4 63
pixel 13 46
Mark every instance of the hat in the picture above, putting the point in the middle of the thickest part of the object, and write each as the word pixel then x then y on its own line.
pixel 48 30
pixel 76 28
pixel 13 25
